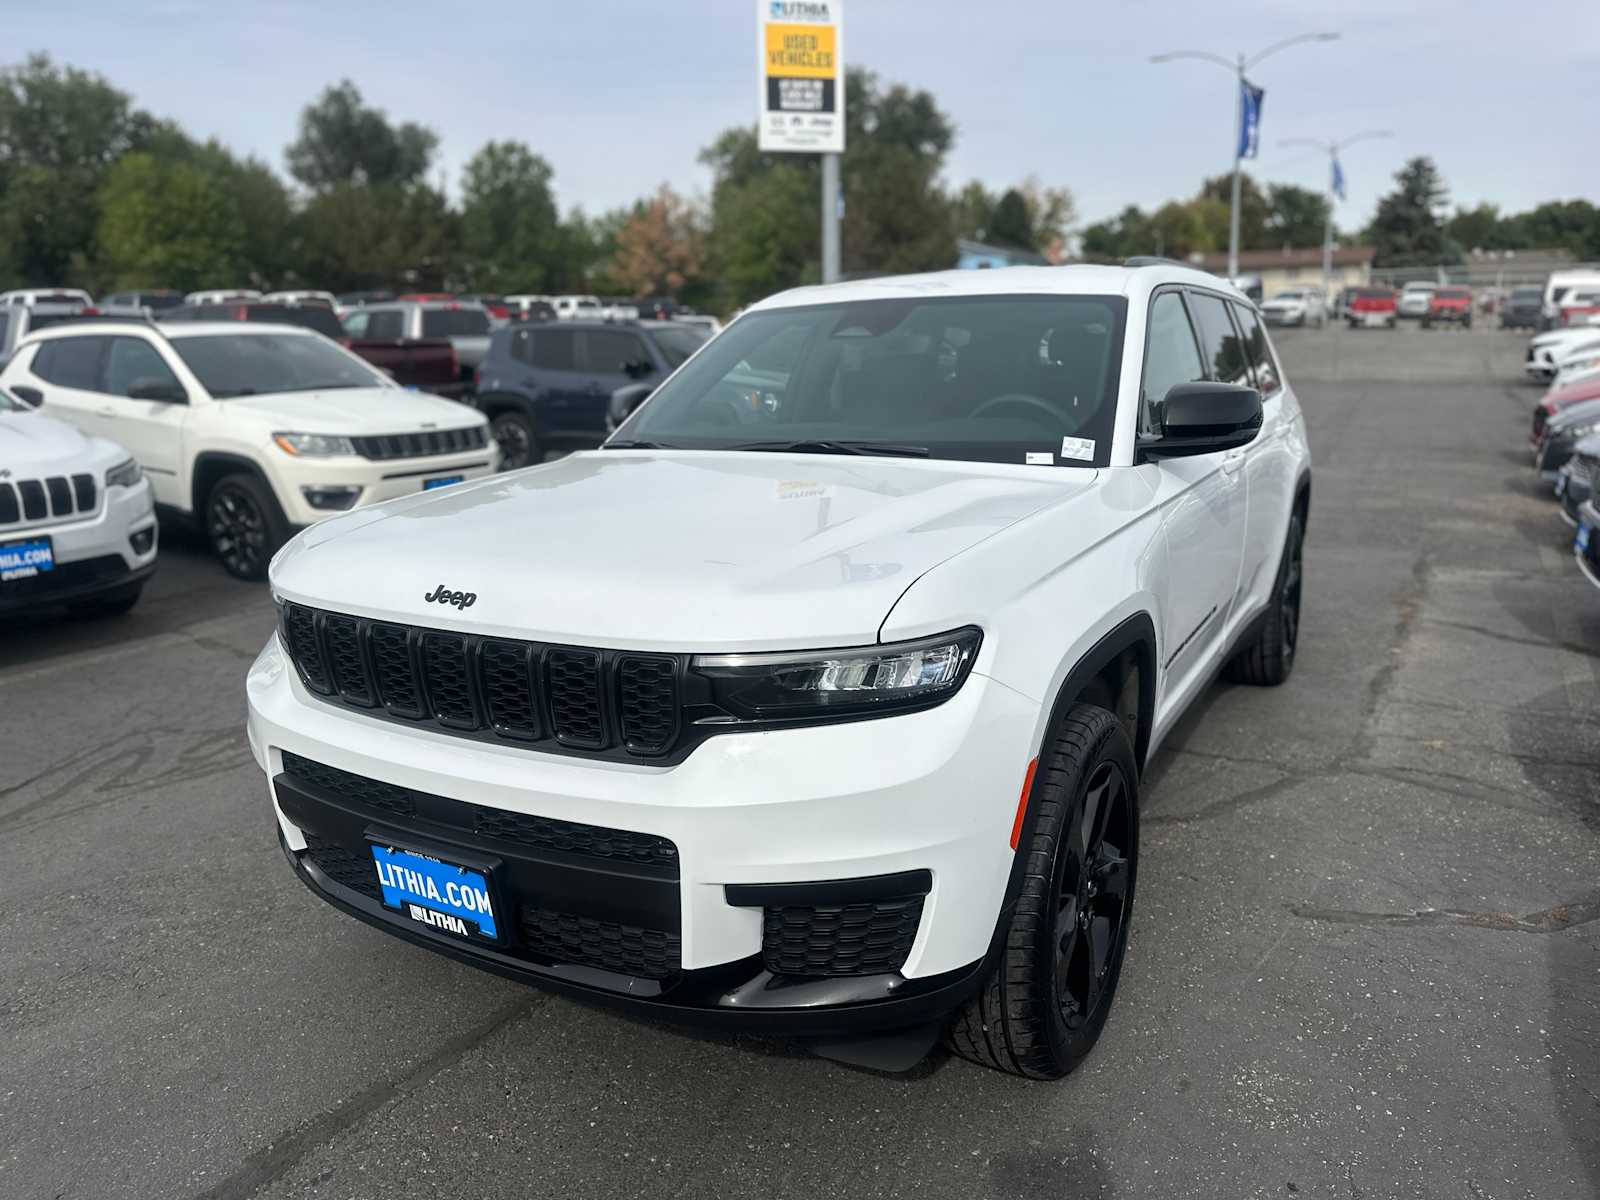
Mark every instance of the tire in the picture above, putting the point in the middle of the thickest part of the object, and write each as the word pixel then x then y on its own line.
pixel 1267 661
pixel 1042 1009
pixel 244 525
pixel 514 433
pixel 109 604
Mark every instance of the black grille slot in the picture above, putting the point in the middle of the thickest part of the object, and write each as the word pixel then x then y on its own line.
pixel 560 699
pixel 60 495
pixel 32 499
pixel 346 867
pixel 573 678
pixel 569 837
pixel 444 674
pixel 647 704
pixel 10 510
pixel 374 793
pixel 424 444
pixel 394 669
pixel 626 949
pixel 83 492
pixel 300 630
pixel 507 669
pixel 868 938
pixel 349 668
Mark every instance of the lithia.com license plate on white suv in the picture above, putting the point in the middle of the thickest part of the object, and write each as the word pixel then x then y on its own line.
pixel 441 895
pixel 24 560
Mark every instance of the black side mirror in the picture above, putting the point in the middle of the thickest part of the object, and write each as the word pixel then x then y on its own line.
pixel 1202 418
pixel 164 390
pixel 623 403
pixel 28 395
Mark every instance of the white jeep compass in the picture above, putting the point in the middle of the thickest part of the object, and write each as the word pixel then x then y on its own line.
pixel 814 703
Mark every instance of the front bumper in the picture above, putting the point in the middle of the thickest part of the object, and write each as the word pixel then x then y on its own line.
pixel 833 811
pixel 378 480
pixel 112 547
pixel 1586 547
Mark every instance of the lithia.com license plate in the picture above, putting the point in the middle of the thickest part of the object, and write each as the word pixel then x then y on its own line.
pixel 441 895
pixel 24 560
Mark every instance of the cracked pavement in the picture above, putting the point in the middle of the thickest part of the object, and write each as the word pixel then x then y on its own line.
pixel 1365 959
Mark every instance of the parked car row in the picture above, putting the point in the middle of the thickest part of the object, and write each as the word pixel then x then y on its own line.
pixel 1565 438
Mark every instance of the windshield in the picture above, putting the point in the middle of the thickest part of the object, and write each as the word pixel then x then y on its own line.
pixel 231 365
pixel 1289 296
pixel 1018 379
pixel 676 345
pixel 454 322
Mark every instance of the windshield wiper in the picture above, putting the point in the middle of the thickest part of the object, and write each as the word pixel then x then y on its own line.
pixel 629 445
pixel 813 446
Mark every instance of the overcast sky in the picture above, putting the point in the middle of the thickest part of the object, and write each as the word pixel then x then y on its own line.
pixel 620 95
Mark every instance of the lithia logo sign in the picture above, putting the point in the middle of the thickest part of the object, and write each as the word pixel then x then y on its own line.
pixel 443 595
pixel 800 10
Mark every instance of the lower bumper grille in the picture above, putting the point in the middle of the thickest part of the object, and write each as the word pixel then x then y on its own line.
pixel 588 942
pixel 867 938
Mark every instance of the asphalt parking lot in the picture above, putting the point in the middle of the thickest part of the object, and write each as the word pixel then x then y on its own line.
pixel 1365 959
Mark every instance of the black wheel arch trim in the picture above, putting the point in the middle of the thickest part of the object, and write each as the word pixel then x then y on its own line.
pixel 492 404
pixel 230 462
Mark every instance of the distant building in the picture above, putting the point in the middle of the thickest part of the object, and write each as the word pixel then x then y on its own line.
pixel 973 255
pixel 1278 269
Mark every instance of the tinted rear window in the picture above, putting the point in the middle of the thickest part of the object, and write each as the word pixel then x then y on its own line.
pixel 159 300
pixel 454 322
pixel 1527 293
pixel 72 362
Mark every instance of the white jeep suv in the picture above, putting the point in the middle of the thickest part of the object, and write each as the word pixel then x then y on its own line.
pixel 816 701
pixel 77 526
pixel 250 430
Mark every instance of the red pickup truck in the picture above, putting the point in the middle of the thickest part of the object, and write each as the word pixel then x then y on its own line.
pixel 1372 307
pixel 1450 305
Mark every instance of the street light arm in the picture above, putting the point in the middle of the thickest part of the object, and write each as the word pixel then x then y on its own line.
pixel 1203 55
pixel 1369 135
pixel 1293 41
pixel 1305 141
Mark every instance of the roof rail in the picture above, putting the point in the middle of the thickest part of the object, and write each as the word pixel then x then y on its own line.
pixel 1156 260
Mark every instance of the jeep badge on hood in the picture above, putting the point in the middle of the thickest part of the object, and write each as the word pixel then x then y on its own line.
pixel 443 595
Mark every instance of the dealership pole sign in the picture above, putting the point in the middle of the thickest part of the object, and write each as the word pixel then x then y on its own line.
pixel 801 43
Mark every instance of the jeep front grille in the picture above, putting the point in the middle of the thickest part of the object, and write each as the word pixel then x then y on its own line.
pixel 425 444
pixel 568 699
pixel 54 497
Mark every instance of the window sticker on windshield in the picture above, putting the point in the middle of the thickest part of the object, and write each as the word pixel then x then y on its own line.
pixel 1081 449
pixel 1040 458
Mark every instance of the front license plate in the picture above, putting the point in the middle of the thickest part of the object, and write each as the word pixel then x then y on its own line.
pixel 432 892
pixel 1581 542
pixel 445 481
pixel 25 559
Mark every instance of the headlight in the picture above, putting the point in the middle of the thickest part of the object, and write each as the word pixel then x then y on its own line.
pixel 313 445
pixel 1576 432
pixel 853 682
pixel 124 474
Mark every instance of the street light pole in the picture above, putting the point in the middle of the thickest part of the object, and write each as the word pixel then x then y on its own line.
pixel 1237 68
pixel 1333 149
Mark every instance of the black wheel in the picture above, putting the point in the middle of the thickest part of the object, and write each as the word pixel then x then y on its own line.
pixel 109 604
pixel 513 432
pixel 1041 1011
pixel 1267 661
pixel 245 525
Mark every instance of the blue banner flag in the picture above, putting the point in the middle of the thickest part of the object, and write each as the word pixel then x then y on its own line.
pixel 1338 179
pixel 1249 118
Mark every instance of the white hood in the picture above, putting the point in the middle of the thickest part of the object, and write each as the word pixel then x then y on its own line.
pixel 31 444
pixel 688 551
pixel 357 411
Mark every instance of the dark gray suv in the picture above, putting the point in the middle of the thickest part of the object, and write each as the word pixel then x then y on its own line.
pixel 547 386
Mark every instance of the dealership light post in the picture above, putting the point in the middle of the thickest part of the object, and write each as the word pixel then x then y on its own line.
pixel 1335 191
pixel 1238 67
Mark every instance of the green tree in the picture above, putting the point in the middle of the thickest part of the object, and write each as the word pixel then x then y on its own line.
pixel 60 129
pixel 1254 209
pixel 1479 228
pixel 355 237
pixel 510 234
pixel 1407 229
pixel 1296 216
pixel 1010 225
pixel 1568 224
pixel 167 224
pixel 1130 232
pixel 343 142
